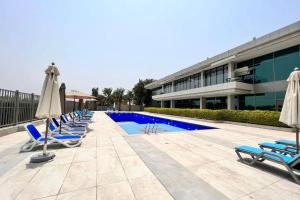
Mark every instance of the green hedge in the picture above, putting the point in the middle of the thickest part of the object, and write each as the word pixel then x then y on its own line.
pixel 261 117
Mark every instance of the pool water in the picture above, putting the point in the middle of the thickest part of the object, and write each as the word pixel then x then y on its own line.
pixel 134 128
pixel 135 123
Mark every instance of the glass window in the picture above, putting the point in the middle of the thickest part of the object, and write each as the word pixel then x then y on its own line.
pixel 220 75
pixel 279 100
pixel 264 69
pixel 246 102
pixel 225 73
pixel 207 77
pixel 285 61
pixel 216 103
pixel 265 101
pixel 213 75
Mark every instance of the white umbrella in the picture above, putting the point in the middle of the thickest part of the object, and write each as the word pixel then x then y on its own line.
pixel 290 113
pixel 49 105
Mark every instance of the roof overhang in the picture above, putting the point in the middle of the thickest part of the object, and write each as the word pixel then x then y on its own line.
pixel 283 38
pixel 208 91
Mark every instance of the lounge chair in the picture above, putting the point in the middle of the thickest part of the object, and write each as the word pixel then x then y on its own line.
pixel 79 118
pixel 68 128
pixel 279 148
pixel 66 121
pixel 54 130
pixel 259 155
pixel 36 139
pixel 286 142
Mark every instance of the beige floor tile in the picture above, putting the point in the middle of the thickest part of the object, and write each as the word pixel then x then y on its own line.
pixel 234 179
pixel 48 198
pixel 134 167
pixel 123 149
pixel 148 188
pixel 85 154
pixel 80 175
pixel 109 170
pixel 83 194
pixel 117 191
pixel 278 191
pixel 45 183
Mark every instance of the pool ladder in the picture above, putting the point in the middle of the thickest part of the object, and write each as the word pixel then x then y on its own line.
pixel 153 129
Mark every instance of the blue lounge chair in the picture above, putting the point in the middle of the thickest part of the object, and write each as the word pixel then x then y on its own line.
pixel 36 139
pixel 79 118
pixel 68 128
pixel 287 142
pixel 259 155
pixel 279 148
pixel 66 121
pixel 54 130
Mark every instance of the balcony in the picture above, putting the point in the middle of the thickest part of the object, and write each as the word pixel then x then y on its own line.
pixel 230 88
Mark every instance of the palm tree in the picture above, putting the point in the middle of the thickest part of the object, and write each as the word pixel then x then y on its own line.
pixel 107 93
pixel 129 97
pixel 118 95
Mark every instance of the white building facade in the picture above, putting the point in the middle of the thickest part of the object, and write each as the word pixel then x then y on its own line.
pixel 250 76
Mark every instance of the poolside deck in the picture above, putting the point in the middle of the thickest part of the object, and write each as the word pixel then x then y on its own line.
pixel 112 165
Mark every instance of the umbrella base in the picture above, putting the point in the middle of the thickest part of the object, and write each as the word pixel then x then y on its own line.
pixel 38 158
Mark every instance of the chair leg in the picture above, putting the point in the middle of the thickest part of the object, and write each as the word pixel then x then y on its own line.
pixel 294 176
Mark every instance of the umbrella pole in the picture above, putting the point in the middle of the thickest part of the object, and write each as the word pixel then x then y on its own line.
pixel 74 110
pixel 297 140
pixel 46 137
pixel 60 126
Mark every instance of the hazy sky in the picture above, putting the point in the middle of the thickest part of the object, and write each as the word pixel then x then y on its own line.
pixel 114 43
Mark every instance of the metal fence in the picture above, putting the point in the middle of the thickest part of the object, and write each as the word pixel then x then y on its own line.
pixel 17 107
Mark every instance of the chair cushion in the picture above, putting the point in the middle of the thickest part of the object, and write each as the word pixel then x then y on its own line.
pixel 276 146
pixel 256 151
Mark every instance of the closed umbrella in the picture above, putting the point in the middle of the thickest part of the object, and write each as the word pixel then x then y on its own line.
pixel 49 106
pixel 290 113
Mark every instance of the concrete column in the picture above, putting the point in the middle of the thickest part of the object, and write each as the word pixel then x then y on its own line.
pixel 202 79
pixel 162 89
pixel 162 105
pixel 230 102
pixel 172 103
pixel 202 103
pixel 230 70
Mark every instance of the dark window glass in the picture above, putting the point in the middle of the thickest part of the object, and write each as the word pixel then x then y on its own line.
pixel 187 103
pixel 216 103
pixel 265 101
pixel 207 77
pixel 264 69
pixel 285 61
pixel 213 75
pixel 225 73
pixel 279 100
pixel 246 102
pixel 220 75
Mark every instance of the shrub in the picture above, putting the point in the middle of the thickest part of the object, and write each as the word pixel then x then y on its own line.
pixel 261 117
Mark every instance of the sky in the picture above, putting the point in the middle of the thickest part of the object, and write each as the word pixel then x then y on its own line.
pixel 114 43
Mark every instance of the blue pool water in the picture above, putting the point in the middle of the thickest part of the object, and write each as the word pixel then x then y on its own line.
pixel 134 123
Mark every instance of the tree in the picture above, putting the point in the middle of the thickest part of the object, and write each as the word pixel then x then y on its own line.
pixel 95 92
pixel 107 93
pixel 141 94
pixel 118 95
pixel 129 98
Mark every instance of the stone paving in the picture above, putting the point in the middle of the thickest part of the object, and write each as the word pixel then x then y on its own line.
pixel 112 165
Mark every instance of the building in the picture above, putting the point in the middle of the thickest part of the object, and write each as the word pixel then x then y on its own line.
pixel 250 76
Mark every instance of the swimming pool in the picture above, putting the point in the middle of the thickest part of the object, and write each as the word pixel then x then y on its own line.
pixel 134 123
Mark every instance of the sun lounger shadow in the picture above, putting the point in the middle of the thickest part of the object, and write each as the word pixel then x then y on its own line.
pixel 281 173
